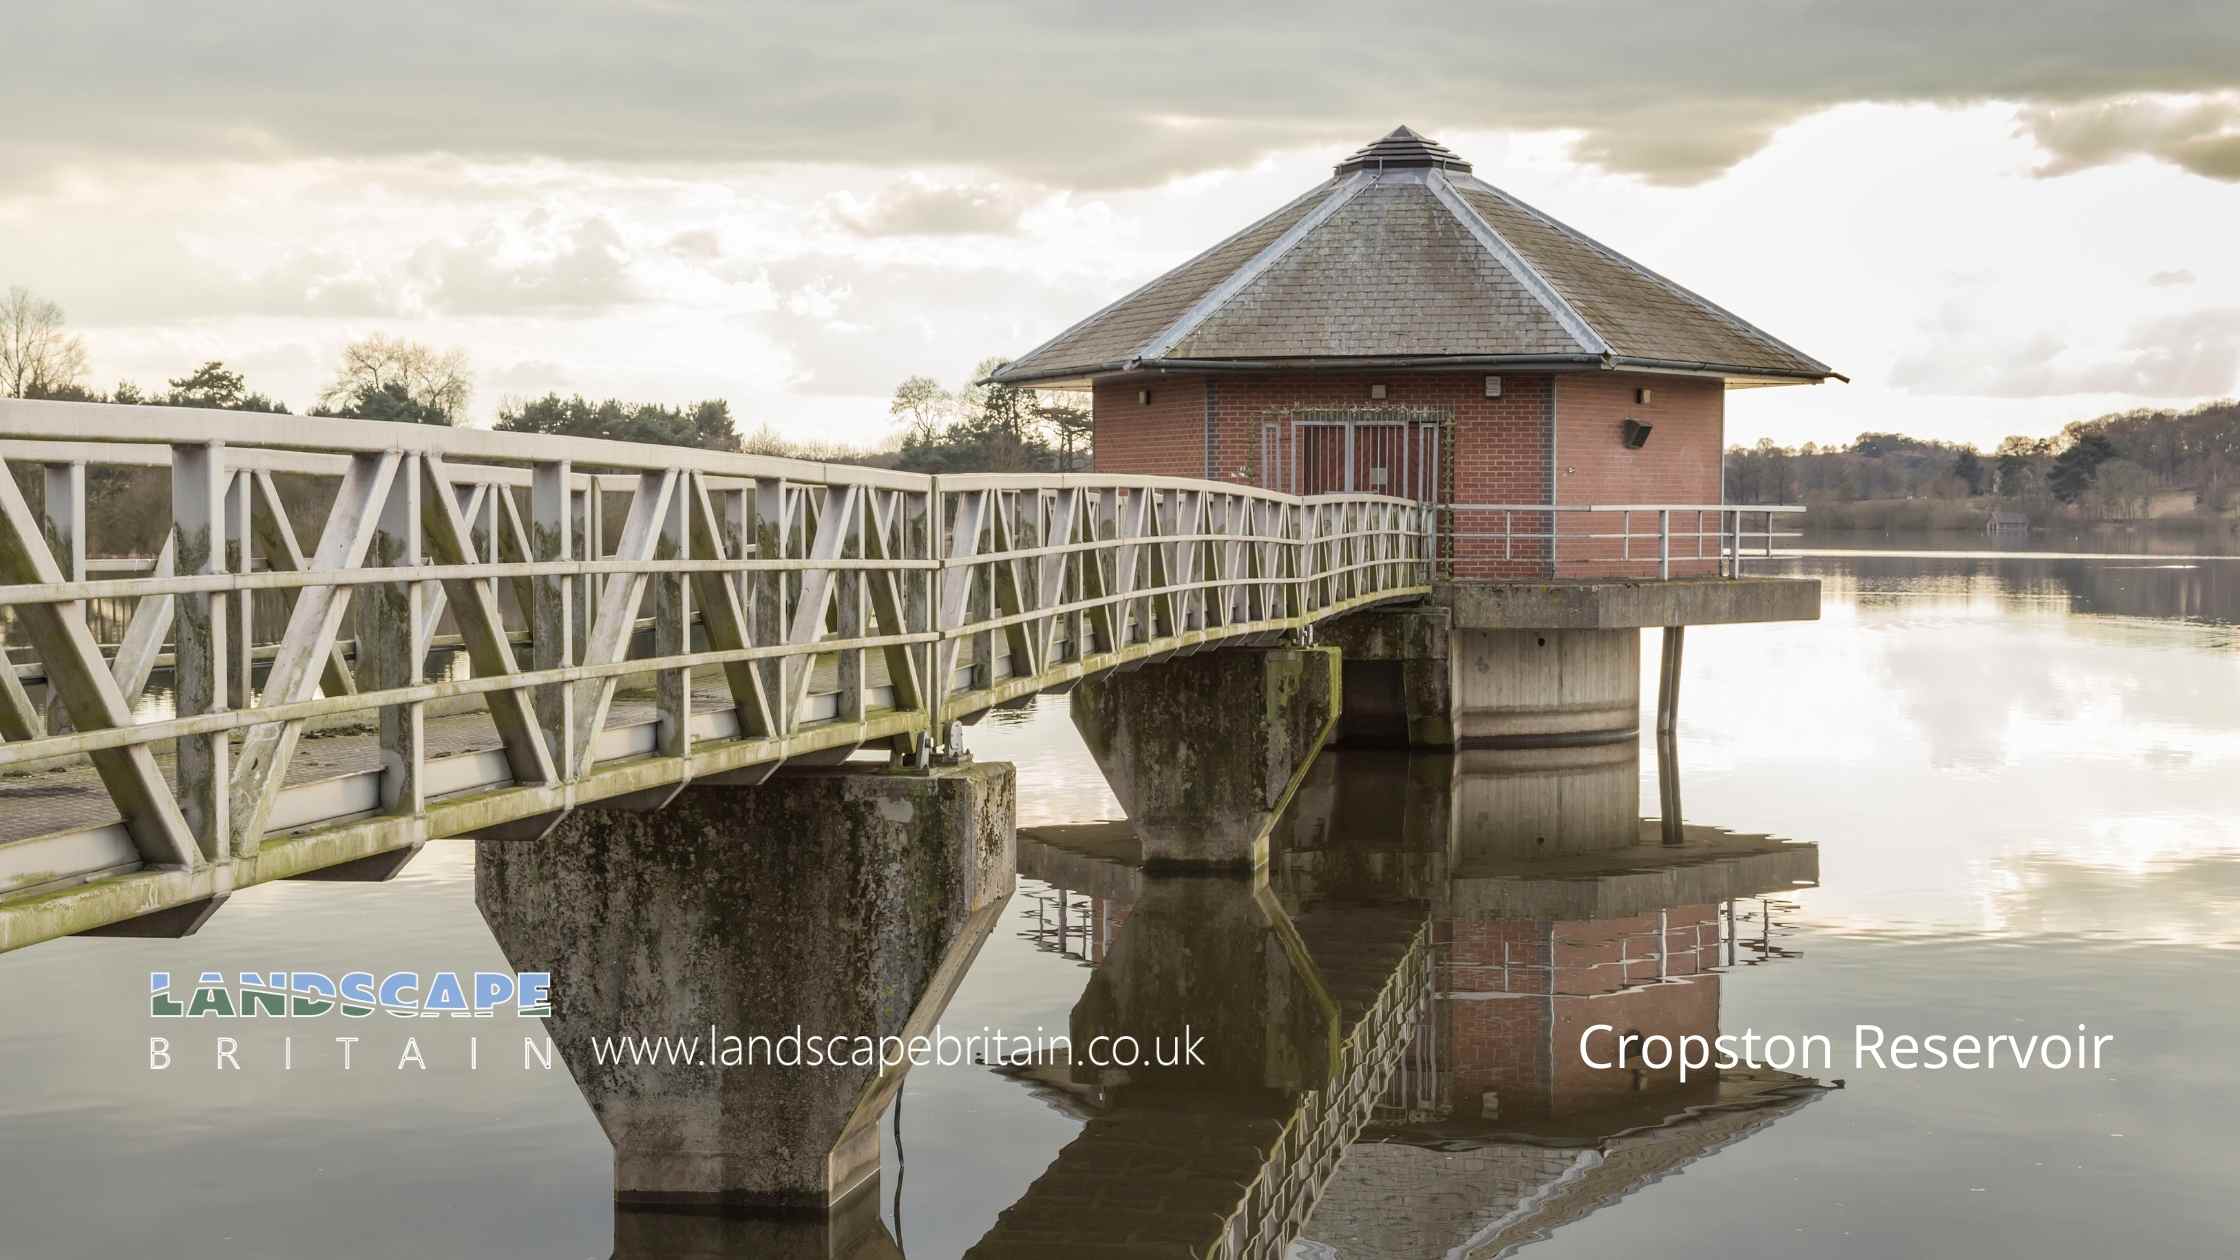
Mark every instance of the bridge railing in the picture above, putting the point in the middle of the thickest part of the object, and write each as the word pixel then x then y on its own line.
pixel 1660 540
pixel 571 588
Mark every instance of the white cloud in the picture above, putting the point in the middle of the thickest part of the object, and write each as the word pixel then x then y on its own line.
pixel 919 207
pixel 1867 235
pixel 1060 94
pixel 2199 133
pixel 2185 356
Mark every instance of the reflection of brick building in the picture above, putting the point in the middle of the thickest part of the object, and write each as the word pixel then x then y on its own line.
pixel 1518 994
pixel 1555 906
pixel 1406 328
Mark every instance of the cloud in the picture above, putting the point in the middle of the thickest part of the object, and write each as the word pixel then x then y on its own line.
pixel 2189 355
pixel 2200 134
pixel 852 328
pixel 915 207
pixel 584 269
pixel 1060 94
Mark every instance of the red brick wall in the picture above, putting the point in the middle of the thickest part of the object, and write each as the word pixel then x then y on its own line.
pixel 1680 464
pixel 1497 450
pixel 1166 438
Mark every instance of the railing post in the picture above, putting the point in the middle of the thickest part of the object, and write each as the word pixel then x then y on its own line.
pixel 672 623
pixel 241 640
pixel 64 513
pixel 199 648
pixel 847 616
pixel 766 597
pixel 391 647
pixel 552 619
pixel 929 609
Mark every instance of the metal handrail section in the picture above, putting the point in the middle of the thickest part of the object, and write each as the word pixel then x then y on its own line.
pixel 1678 532
pixel 841 607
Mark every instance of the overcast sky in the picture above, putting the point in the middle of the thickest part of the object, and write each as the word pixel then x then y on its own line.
pixel 1994 217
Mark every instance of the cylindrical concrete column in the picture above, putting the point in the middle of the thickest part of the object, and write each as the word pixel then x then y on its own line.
pixel 1525 688
pixel 1530 803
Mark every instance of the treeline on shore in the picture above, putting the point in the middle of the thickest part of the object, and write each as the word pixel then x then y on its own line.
pixel 2177 467
pixel 972 427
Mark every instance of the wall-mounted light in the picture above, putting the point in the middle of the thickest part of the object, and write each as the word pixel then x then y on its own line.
pixel 1377 391
pixel 1493 387
pixel 1635 434
pixel 1642 396
pixel 1143 397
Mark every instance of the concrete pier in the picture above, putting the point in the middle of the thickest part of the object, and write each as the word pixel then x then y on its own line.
pixel 836 902
pixel 1534 664
pixel 1398 689
pixel 1205 751
pixel 1522 688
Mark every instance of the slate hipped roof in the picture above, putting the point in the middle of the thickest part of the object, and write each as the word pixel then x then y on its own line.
pixel 1403 258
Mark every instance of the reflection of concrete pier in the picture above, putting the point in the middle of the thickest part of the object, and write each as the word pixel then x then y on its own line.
pixel 1556 909
pixel 1456 921
pixel 1303 1020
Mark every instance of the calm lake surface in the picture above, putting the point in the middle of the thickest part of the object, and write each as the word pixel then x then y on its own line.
pixel 2022 773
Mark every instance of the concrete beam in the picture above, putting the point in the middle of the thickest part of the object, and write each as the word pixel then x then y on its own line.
pixel 1622 604
pixel 1538 833
pixel 1205 751
pixel 852 1231
pixel 842 901
pixel 168 924
pixel 1399 689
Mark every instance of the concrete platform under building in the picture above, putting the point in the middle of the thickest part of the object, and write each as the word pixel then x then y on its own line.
pixel 1534 663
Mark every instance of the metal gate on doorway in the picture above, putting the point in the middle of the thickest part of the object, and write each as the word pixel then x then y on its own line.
pixel 1358 450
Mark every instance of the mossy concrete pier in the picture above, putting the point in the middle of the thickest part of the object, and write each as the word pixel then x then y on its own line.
pixel 1205 751
pixel 828 902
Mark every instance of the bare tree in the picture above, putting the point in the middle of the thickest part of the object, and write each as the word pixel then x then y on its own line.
pixel 922 405
pixel 37 355
pixel 381 366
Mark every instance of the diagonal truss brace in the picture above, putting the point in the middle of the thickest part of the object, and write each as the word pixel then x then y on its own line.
pixel 723 616
pixel 90 694
pixel 619 600
pixel 449 539
pixel 308 643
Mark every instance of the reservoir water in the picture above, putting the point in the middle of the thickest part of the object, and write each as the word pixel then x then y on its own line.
pixel 2022 776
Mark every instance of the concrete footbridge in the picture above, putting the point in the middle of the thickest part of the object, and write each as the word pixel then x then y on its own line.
pixel 652 685
pixel 524 625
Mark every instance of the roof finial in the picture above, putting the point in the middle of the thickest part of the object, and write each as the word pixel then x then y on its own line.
pixel 1404 147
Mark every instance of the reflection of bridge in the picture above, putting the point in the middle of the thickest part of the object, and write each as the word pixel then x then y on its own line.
pixel 1304 1020
pixel 1464 918
pixel 840 606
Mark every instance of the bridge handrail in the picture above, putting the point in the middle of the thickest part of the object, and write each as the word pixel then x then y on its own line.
pixel 1733 540
pixel 841 605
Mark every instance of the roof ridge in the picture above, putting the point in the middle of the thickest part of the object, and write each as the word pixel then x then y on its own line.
pixel 1235 282
pixel 1132 294
pixel 1736 321
pixel 1539 286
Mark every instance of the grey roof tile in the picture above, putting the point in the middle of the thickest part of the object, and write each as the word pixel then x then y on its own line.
pixel 1391 271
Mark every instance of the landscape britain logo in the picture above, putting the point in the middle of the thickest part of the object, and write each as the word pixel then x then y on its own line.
pixel 356 994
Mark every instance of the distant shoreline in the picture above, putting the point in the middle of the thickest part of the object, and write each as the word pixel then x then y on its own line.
pixel 1941 516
